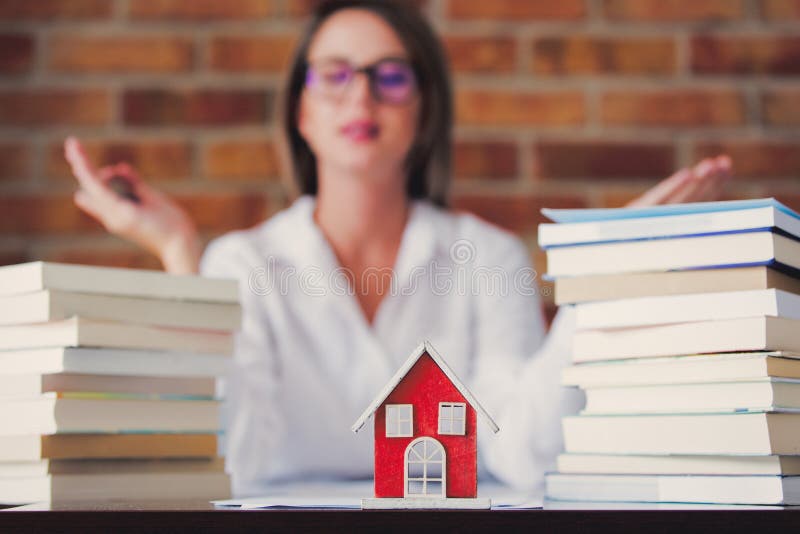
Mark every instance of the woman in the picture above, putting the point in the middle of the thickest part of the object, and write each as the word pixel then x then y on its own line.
pixel 341 286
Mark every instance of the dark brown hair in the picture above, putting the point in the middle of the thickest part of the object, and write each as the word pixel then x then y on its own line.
pixel 428 160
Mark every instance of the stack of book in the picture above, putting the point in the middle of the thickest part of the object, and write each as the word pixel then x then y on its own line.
pixel 107 383
pixel 687 347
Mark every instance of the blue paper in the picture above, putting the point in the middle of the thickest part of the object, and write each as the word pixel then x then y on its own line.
pixel 610 214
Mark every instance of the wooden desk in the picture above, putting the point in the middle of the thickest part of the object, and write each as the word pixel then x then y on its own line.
pixel 197 517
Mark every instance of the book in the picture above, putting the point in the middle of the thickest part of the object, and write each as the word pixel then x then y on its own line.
pixel 636 285
pixel 730 489
pixel 766 218
pixel 38 276
pixel 684 369
pixel 32 447
pixel 725 250
pixel 647 311
pixel 678 464
pixel 729 335
pixel 33 385
pixel 81 332
pixel 662 210
pixel 730 433
pixel 771 394
pixel 117 362
pixel 105 486
pixel 52 413
pixel 53 305
pixel 45 467
pixel 588 505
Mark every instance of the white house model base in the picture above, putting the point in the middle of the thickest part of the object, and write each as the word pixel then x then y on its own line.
pixel 425 504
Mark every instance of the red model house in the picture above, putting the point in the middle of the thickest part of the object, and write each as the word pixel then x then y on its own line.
pixel 426 451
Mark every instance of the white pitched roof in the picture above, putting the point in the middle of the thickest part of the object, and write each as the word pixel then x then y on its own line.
pixel 423 347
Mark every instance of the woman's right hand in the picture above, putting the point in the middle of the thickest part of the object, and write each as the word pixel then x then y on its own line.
pixel 152 220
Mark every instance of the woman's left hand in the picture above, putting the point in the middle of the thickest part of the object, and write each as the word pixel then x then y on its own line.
pixel 705 181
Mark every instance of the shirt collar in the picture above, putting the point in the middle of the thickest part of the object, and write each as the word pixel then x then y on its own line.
pixel 303 244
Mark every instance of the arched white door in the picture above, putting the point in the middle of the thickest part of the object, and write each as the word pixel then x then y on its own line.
pixel 425 470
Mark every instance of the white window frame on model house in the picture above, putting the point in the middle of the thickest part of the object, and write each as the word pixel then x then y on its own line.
pixel 449 423
pixel 421 470
pixel 396 415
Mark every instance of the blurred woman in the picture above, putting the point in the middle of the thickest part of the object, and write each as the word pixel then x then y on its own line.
pixel 338 288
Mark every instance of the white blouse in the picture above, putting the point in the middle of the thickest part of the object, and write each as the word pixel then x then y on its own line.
pixel 307 362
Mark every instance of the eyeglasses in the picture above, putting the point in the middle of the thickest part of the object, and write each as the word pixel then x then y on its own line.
pixel 391 80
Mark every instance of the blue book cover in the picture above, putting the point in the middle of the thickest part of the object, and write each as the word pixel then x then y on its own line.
pixel 611 214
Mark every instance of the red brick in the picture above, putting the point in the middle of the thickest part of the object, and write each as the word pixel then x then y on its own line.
pixel 583 54
pixel 212 107
pixel 248 54
pixel 303 8
pixel 13 256
pixel 756 159
pixel 153 160
pixel 48 107
pixel 780 10
pixel 222 211
pixel 618 198
pixel 107 257
pixel 746 55
pixel 791 200
pixel 506 108
pixel 15 162
pixel 51 9
pixel 251 160
pixel 673 108
pixel 16 53
pixel 485 159
pixel 781 107
pixel 119 54
pixel 43 214
pixel 201 10
pixel 481 54
pixel 603 159
pixel 674 10
pixel 520 213
pixel 516 10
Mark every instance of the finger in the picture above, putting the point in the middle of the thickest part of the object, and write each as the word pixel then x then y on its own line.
pixel 82 168
pixel 662 191
pixel 84 201
pixel 687 193
pixel 708 183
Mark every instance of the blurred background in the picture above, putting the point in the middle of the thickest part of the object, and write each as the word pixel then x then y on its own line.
pixel 568 103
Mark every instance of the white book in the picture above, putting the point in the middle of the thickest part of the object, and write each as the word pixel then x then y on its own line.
pixel 589 505
pixel 117 362
pixel 686 308
pixel 730 434
pixel 674 488
pixel 725 250
pixel 55 305
pixel 730 335
pixel 571 290
pixel 684 369
pixel 751 396
pixel 632 464
pixel 667 226
pixel 45 467
pixel 38 275
pixel 104 486
pixel 80 332
pixel 34 447
pixel 33 385
pixel 50 414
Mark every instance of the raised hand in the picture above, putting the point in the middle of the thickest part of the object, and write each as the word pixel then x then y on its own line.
pixel 128 207
pixel 705 181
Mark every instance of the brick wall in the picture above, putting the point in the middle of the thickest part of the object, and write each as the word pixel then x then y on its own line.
pixel 567 103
